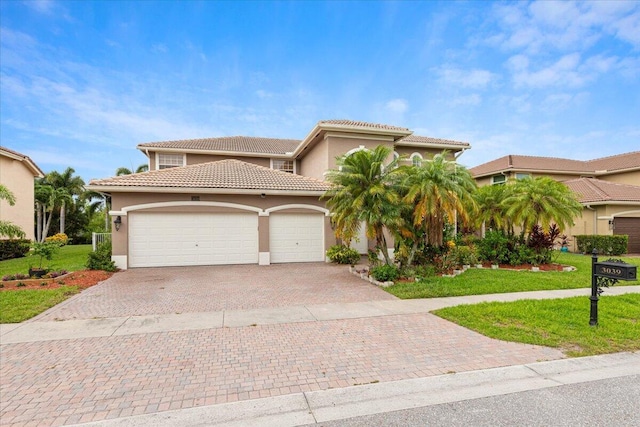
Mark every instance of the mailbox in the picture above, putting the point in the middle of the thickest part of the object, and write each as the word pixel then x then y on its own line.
pixel 616 270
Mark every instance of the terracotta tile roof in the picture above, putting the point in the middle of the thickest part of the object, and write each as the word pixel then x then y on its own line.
pixel 242 144
pixel 357 124
pixel 535 163
pixel 429 140
pixel 30 163
pixel 223 174
pixel 591 190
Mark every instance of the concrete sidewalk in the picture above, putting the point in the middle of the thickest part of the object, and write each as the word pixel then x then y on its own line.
pixel 131 325
pixel 335 404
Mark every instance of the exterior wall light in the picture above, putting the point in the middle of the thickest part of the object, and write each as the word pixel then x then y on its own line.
pixel 117 222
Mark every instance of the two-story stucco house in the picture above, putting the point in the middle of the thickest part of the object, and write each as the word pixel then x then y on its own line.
pixel 608 188
pixel 242 200
pixel 17 173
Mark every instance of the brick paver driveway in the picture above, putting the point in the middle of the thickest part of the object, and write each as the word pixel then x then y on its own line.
pixel 69 381
pixel 144 291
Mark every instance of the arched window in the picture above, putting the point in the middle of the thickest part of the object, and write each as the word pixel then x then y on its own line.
pixel 416 159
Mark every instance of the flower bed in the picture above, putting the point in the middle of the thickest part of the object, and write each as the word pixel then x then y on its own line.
pixel 82 279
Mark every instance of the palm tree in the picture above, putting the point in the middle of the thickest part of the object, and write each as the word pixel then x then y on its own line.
pixel 439 189
pixel 491 210
pixel 47 198
pixel 363 191
pixel 542 200
pixel 7 228
pixel 126 171
pixel 72 185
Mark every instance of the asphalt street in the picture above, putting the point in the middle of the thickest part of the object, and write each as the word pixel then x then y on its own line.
pixel 610 402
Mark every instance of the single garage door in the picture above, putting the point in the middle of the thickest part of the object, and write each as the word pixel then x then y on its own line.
pixel 296 237
pixel 179 239
pixel 630 226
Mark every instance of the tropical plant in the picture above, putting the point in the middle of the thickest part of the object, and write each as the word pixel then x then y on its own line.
pixel 47 198
pixel 44 250
pixel 439 190
pixel 363 191
pixel 542 201
pixel 126 171
pixel 7 228
pixel 101 258
pixel 342 254
pixel 65 182
pixel 491 209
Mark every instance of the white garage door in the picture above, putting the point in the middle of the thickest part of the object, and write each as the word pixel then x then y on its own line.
pixel 175 239
pixel 296 237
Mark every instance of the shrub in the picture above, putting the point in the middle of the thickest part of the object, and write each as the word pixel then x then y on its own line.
pixel 342 254
pixel 495 247
pixel 385 273
pixel 101 258
pixel 44 250
pixel 13 248
pixel 464 255
pixel 59 238
pixel 606 245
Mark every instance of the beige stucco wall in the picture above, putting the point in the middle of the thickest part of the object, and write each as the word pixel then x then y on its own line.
pixel 630 178
pixel 315 161
pixel 595 220
pixel 20 181
pixel 123 200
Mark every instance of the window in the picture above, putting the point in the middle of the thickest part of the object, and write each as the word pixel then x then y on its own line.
pixel 283 165
pixel 416 159
pixel 523 175
pixel 166 161
pixel 498 179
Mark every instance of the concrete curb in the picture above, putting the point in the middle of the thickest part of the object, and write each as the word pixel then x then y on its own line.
pixel 336 404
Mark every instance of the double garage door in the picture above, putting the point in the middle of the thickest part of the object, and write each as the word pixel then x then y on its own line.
pixel 183 239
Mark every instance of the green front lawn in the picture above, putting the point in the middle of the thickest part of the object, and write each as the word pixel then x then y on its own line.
pixel 487 281
pixel 18 306
pixel 559 323
pixel 70 258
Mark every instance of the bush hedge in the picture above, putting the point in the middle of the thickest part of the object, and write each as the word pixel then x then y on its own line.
pixel 606 245
pixel 342 254
pixel 101 258
pixel 14 248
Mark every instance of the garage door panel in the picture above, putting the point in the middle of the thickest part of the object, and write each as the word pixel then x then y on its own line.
pixel 174 239
pixel 296 237
pixel 631 227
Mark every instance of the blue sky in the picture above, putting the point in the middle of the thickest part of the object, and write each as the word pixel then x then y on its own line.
pixel 82 83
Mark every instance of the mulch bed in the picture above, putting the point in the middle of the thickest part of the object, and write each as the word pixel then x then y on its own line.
pixel 82 279
pixel 543 267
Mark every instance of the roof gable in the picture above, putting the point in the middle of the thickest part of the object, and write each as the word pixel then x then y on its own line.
pixel 227 174
pixel 29 164
pixel 591 190
pixel 228 144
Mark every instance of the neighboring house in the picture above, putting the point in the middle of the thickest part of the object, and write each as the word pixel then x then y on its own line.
pixel 608 188
pixel 17 173
pixel 242 200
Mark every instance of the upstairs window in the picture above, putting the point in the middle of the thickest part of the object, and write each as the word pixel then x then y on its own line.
pixel 416 159
pixel 498 179
pixel 166 161
pixel 523 175
pixel 283 165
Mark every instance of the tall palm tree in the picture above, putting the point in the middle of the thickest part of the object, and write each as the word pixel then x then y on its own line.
pixel 47 198
pixel 439 189
pixel 542 200
pixel 126 171
pixel 66 181
pixel 363 191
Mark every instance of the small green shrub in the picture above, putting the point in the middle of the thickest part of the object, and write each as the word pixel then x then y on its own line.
pixel 605 245
pixel 342 254
pixel 13 248
pixel 385 273
pixel 20 285
pixel 101 258
pixel 464 255
pixel 45 250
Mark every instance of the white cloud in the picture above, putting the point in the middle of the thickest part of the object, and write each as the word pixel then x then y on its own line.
pixel 466 100
pixel 398 106
pixel 40 6
pixel 474 78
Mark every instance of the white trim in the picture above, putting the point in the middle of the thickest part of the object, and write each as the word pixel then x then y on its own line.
pixel 127 209
pixel 297 206
pixel 619 214
pixel 358 136
pixel 169 153
pixel 413 156
pixel 264 258
pixel 120 260
pixel 355 150
pixel 453 147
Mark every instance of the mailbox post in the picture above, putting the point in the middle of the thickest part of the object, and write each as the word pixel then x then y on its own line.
pixel 606 274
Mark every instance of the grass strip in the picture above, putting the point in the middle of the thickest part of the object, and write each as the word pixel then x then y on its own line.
pixel 559 323
pixel 18 306
pixel 69 257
